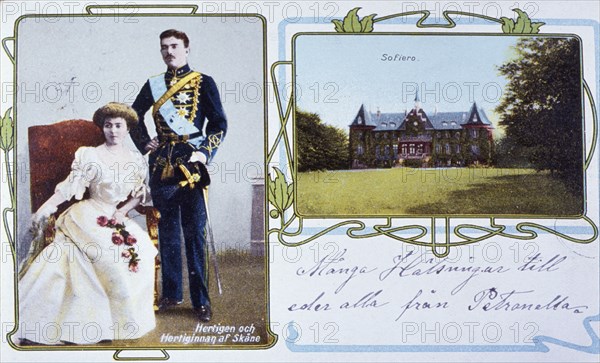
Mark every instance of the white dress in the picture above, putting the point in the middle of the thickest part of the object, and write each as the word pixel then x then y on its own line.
pixel 80 288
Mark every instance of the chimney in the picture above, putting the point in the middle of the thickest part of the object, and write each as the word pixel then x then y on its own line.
pixel 378 112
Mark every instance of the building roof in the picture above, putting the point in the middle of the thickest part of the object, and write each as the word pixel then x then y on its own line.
pixel 436 121
pixel 447 120
pixel 363 118
pixel 387 121
pixel 477 116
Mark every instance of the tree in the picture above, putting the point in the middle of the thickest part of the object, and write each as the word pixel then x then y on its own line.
pixel 541 106
pixel 320 146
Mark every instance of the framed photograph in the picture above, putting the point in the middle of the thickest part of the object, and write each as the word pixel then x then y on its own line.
pixel 445 115
pixel 62 85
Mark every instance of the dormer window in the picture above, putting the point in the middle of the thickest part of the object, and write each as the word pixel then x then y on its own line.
pixel 453 123
pixel 444 123
pixel 392 124
pixel 383 124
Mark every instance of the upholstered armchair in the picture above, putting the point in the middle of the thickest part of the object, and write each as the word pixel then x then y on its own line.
pixel 51 153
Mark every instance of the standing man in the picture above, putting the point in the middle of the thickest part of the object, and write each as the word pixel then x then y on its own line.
pixel 181 101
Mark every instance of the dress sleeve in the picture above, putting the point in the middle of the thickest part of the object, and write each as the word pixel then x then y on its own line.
pixel 82 172
pixel 140 188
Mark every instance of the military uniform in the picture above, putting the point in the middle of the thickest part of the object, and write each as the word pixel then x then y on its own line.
pixel 181 100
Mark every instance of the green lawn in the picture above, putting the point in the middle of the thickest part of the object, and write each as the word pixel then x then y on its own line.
pixel 408 191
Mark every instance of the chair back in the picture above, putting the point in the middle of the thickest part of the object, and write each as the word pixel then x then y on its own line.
pixel 52 151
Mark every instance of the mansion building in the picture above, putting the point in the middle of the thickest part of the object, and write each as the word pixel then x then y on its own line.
pixel 418 139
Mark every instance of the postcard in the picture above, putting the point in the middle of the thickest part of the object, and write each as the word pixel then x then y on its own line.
pixel 294 181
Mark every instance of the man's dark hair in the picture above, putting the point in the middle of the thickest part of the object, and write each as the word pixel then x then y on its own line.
pixel 176 34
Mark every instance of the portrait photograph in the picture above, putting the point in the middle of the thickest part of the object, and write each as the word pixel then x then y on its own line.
pixel 140 142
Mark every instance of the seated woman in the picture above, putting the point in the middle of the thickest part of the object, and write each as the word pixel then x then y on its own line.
pixel 95 281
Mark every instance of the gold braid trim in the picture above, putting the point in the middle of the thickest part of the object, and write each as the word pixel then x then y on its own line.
pixel 196 83
pixel 214 141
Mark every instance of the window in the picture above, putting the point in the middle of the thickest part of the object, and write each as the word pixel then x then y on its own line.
pixel 474 133
pixel 359 150
pixel 392 124
pixel 457 135
pixel 444 123
pixel 383 124
pixel 395 150
pixel 377 152
pixel 411 149
pixel 404 149
pixel 438 148
pixel 438 134
pixel 420 149
pixel 457 148
pixel 446 134
pixel 387 151
pixel 447 149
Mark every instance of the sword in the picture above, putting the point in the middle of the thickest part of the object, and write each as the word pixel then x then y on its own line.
pixel 211 241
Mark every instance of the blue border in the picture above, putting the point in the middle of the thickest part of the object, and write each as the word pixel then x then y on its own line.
pixel 537 346
pixel 538 341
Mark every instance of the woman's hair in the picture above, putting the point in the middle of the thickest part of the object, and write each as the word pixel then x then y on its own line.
pixel 115 110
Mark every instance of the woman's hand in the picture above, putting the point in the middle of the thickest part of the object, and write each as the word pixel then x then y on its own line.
pixel 152 145
pixel 45 211
pixel 48 208
pixel 120 216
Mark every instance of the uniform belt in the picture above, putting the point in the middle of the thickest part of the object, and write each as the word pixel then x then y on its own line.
pixel 178 138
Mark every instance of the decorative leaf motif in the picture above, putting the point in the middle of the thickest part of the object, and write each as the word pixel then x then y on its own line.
pixel 290 191
pixel 535 27
pixel 281 194
pixel 6 131
pixel 353 24
pixel 523 24
pixel 339 26
pixel 508 25
pixel 367 23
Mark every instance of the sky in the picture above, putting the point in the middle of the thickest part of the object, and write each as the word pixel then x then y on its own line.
pixel 336 74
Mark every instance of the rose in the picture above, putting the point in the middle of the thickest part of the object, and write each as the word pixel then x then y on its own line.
pixel 126 254
pixel 133 266
pixel 130 240
pixel 117 238
pixel 112 222
pixel 102 221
